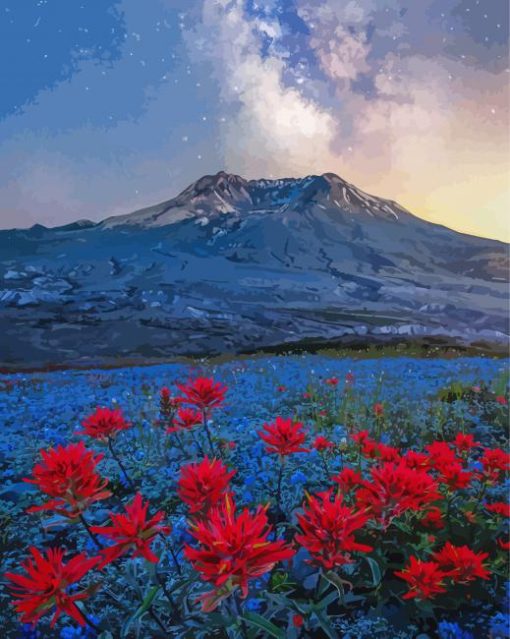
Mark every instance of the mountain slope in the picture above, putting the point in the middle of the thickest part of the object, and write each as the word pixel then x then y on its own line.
pixel 232 264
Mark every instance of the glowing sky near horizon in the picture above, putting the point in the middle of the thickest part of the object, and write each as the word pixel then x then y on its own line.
pixel 108 107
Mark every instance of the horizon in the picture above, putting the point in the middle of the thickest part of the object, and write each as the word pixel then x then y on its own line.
pixel 231 174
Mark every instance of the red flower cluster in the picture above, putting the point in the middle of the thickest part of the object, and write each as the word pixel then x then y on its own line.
pixel 321 444
pixel 167 403
pixel 328 529
pixel 283 437
pixel 186 419
pixel 378 409
pixel 331 381
pixel 496 463
pixel 395 489
pixel 132 531
pixel 68 475
pixel 426 579
pixel 203 393
pixel 104 424
pixel 201 485
pixel 46 585
pixel 234 548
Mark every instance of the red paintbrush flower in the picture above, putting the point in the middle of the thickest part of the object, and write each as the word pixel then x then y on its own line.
pixel 167 403
pixel 433 518
pixel 283 437
pixel 233 547
pixel 425 579
pixel 321 444
pixel 68 475
pixel 331 381
pixel 464 443
pixel 367 445
pixel 503 544
pixel 132 532
pixel 501 399
pixel 203 393
pixel 104 423
pixel 378 409
pixel 461 563
pixel 394 489
pixel 387 453
pixel 348 479
pixel 46 585
pixel 496 463
pixel 201 485
pixel 440 454
pixel 453 476
pixel 499 508
pixel 349 378
pixel 186 419
pixel 328 529
pixel 413 459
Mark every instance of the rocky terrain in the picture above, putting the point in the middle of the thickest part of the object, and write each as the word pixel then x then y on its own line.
pixel 232 265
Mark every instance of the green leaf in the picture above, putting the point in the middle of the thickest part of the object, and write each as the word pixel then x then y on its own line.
pixel 375 570
pixel 263 624
pixel 325 624
pixel 144 606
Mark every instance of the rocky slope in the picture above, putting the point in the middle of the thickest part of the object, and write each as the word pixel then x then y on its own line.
pixel 231 265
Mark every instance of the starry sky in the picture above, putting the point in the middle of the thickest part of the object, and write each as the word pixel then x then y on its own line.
pixel 108 106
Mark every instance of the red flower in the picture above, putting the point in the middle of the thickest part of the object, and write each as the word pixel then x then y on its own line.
pixel 283 437
pixel 461 563
pixel 348 479
pixel 504 545
pixel 186 419
pixel 496 463
pixel 321 443
pixel 499 508
pixel 425 579
pixel 132 531
pixel 167 403
pixel 501 399
pixel 440 454
pixel 328 529
pixel 349 378
pixel 331 381
pixel 104 423
pixel 368 446
pixel 234 548
pixel 201 485
pixel 433 518
pixel 387 453
pixel 464 443
pixel 394 489
pixel 46 586
pixel 378 409
pixel 68 475
pixel 281 388
pixel 454 476
pixel 203 392
pixel 416 460
pixel 297 621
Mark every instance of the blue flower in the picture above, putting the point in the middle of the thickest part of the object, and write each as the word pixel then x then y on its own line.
pixel 452 630
pixel 499 626
pixel 298 478
pixel 253 605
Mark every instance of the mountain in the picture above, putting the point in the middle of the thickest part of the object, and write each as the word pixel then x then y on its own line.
pixel 233 264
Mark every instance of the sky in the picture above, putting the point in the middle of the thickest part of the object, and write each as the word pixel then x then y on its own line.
pixel 106 107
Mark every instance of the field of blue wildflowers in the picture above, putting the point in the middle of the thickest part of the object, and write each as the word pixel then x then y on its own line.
pixel 402 402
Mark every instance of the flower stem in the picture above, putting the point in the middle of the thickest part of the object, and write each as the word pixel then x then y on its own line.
pixel 325 464
pixel 279 486
pixel 121 465
pixel 208 432
pixel 92 535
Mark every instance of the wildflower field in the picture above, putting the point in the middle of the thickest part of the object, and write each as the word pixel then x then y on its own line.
pixel 285 496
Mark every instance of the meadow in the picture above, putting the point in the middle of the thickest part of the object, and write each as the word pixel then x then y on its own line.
pixel 274 496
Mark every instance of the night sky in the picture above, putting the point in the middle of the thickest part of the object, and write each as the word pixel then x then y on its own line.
pixel 106 106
